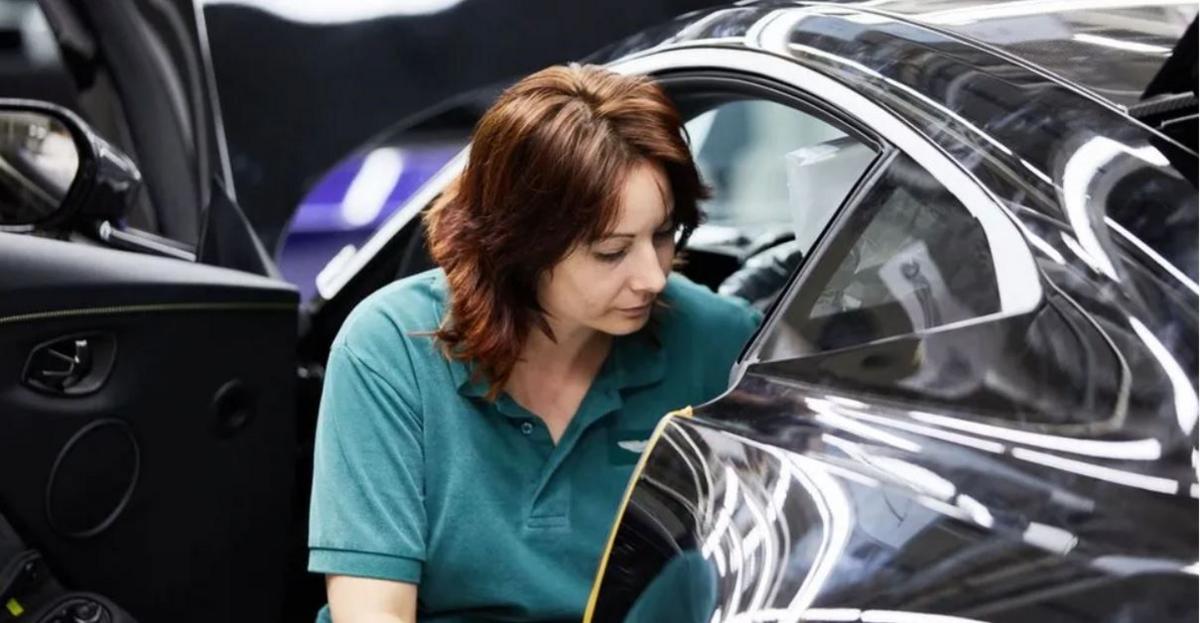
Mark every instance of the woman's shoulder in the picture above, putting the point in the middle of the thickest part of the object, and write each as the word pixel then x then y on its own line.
pixel 387 319
pixel 698 310
pixel 702 333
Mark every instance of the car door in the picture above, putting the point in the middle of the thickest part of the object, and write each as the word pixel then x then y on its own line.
pixel 147 365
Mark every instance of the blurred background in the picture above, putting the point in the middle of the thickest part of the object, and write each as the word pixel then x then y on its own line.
pixel 381 93
pixel 391 89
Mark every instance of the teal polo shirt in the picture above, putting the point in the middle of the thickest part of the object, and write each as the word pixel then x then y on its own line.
pixel 418 479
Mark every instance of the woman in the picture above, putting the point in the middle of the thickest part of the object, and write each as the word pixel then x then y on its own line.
pixel 480 421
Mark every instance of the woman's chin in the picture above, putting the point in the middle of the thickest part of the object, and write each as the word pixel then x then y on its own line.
pixel 625 325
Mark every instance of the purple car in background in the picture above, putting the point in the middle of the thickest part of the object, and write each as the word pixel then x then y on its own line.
pixel 348 204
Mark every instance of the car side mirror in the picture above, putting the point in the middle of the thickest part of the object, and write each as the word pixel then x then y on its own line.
pixel 55 171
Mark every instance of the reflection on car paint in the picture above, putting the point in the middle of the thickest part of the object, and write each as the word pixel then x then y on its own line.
pixel 1034 467
pixel 798 507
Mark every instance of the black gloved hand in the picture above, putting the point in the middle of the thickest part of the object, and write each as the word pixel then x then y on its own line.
pixel 764 274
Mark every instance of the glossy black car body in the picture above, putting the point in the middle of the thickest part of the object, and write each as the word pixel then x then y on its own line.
pixel 1034 466
pixel 1023 449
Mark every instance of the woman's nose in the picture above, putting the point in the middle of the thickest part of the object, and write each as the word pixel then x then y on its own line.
pixel 648 274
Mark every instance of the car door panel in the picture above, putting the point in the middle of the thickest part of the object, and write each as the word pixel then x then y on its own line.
pixel 168 485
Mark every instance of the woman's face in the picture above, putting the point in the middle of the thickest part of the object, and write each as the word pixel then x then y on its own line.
pixel 610 284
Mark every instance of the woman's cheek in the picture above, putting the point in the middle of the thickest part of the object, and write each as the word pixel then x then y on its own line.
pixel 666 259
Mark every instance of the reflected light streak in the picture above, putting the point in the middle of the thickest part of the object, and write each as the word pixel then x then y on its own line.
pixel 849 402
pixel 854 451
pixel 718 557
pixel 917 477
pixel 761 534
pixel 897 616
pixel 1022 8
pixel 1082 253
pixel 1037 172
pixel 942 508
pixel 1151 253
pixel 1118 476
pixel 978 512
pixel 779 495
pixel 940 108
pixel 701 518
pixel 331 12
pixel 1136 450
pixel 1186 404
pixel 724 516
pixel 1137 565
pixel 1049 538
pixel 371 187
pixel 832 614
pixel 783 544
pixel 839 421
pixel 1081 168
pixel 928 431
pixel 846 615
pixel 1119 44
pixel 771 32
pixel 332 268
pixel 836 519
pixel 708 476
pixel 1041 244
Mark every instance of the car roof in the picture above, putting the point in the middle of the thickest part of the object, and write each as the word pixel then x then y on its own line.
pixel 1112 48
pixel 1109 49
pixel 1016 125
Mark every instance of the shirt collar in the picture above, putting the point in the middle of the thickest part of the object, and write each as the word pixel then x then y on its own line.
pixel 635 360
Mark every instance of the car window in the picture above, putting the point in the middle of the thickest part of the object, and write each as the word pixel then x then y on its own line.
pixel 910 257
pixel 763 161
pixel 778 175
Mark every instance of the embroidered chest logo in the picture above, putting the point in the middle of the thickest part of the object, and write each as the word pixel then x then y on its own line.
pixel 633 445
pixel 626 445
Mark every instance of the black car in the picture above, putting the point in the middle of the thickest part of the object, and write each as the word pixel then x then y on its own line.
pixel 973 228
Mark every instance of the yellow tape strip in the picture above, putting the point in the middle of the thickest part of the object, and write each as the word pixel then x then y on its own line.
pixel 685 412
pixel 14 607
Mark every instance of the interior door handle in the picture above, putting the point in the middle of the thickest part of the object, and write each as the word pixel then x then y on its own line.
pixel 71 366
pixel 74 366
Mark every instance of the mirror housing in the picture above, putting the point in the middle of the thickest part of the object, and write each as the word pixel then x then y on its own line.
pixel 56 172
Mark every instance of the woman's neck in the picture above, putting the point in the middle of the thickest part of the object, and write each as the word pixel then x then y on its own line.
pixel 573 350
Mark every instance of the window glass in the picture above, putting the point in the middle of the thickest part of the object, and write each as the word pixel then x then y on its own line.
pixel 909 258
pixel 763 160
pixel 778 176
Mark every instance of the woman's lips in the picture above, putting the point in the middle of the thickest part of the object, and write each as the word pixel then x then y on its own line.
pixel 636 311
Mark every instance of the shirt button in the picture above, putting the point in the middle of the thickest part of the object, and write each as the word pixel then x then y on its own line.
pixel 526 428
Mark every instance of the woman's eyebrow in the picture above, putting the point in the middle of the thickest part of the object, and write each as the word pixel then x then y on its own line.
pixel 669 220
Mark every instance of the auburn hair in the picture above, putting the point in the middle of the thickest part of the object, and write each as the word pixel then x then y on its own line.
pixel 547 165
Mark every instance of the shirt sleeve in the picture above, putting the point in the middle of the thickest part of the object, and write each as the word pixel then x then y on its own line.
pixel 367 516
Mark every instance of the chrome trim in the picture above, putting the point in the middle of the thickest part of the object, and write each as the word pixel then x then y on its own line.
pixel 132 241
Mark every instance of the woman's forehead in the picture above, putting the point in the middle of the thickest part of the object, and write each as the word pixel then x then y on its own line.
pixel 645 201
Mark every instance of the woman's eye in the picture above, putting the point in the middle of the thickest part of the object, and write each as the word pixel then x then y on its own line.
pixel 613 256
